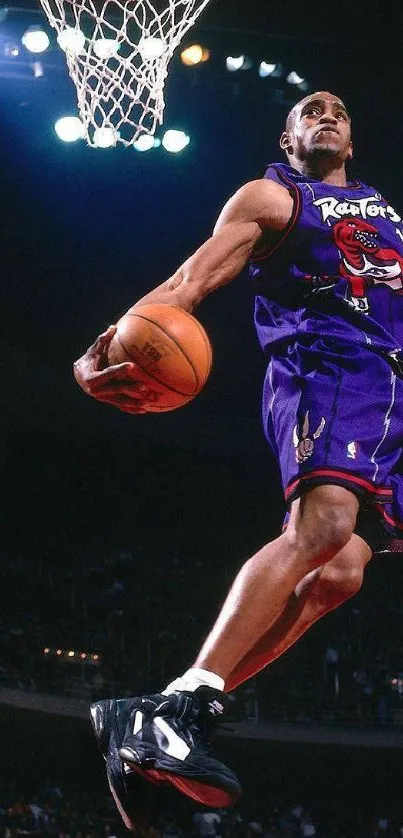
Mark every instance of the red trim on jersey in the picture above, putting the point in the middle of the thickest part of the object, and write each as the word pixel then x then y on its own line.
pixel 344 475
pixel 296 212
pixel 388 518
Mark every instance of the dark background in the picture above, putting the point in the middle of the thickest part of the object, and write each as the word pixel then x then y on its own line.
pixel 333 782
pixel 86 232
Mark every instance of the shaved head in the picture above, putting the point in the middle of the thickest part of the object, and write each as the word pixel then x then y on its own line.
pixel 317 129
pixel 296 109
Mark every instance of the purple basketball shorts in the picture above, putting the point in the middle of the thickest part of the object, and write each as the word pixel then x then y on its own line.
pixel 333 413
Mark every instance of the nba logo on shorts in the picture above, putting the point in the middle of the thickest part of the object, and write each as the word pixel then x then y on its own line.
pixel 352 450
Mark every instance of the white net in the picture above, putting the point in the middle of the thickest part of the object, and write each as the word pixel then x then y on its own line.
pixel 117 55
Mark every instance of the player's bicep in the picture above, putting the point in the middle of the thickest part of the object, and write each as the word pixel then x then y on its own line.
pixel 258 206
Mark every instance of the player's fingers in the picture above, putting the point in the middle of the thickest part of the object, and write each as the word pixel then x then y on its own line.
pixel 119 372
pixel 126 404
pixel 95 351
pixel 139 393
pixel 102 340
pixel 95 381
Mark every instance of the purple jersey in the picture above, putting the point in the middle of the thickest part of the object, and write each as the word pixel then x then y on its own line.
pixel 336 270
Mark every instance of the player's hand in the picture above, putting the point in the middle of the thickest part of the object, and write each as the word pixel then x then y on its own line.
pixel 124 386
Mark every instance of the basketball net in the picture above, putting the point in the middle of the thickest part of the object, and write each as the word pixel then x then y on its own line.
pixel 117 55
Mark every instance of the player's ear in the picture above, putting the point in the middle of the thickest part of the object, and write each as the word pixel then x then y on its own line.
pixel 285 142
pixel 350 151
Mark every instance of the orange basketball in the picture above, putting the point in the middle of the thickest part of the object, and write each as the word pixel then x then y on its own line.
pixel 170 346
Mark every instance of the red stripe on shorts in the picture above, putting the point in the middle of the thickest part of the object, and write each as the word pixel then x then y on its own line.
pixel 343 475
pixel 397 524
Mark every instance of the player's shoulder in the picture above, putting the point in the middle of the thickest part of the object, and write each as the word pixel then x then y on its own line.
pixel 262 188
pixel 268 202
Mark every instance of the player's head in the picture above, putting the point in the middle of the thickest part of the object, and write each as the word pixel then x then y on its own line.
pixel 317 126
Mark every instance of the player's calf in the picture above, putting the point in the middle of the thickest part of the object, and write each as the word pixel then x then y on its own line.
pixel 341 578
pixel 336 586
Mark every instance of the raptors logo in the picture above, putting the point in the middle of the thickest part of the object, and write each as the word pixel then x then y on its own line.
pixel 304 444
pixel 364 262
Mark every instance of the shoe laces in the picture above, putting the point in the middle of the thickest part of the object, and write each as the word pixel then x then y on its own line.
pixel 196 714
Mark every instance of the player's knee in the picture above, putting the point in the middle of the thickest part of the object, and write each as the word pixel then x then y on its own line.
pixel 329 530
pixel 339 582
pixel 335 528
pixel 324 522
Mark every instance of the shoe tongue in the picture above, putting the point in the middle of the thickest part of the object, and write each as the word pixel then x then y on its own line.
pixel 211 701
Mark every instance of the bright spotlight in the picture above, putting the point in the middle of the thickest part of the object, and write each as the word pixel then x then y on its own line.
pixel 238 62
pixel 69 129
pixel 144 143
pixel 71 39
pixel 105 137
pixel 11 50
pixel 35 39
pixel 195 54
pixel 175 141
pixel 37 69
pixel 294 78
pixel 266 69
pixel 106 47
pixel 151 47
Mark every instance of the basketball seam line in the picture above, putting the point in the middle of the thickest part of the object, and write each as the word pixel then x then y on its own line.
pixel 168 386
pixel 202 333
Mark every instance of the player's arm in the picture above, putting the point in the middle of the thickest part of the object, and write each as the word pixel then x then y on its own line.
pixel 257 206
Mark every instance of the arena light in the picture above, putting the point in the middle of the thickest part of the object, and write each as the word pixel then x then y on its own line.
pixel 69 129
pixel 295 78
pixel 195 54
pixel 70 655
pixel 38 70
pixel 150 48
pixel 106 48
pixel 105 137
pixel 266 68
pixel 35 39
pixel 11 50
pixel 234 63
pixel 71 39
pixel 175 141
pixel 144 142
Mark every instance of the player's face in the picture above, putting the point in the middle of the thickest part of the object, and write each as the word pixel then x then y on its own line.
pixel 321 126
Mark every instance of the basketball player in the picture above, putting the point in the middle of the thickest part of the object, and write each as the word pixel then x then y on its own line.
pixel 327 262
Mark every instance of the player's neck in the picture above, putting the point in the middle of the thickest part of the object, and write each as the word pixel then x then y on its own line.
pixel 325 169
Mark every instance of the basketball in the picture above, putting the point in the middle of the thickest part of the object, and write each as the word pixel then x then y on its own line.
pixel 170 346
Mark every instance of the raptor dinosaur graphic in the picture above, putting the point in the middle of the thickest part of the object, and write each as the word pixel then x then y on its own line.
pixel 364 263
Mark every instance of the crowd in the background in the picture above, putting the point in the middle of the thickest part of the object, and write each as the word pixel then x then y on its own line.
pixel 52 812
pixel 145 617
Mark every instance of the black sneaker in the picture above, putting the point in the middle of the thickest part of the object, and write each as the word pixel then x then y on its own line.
pixel 173 739
pixel 109 720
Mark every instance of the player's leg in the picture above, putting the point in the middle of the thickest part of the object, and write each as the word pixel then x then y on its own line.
pixel 171 733
pixel 321 524
pixel 320 591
